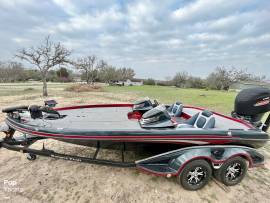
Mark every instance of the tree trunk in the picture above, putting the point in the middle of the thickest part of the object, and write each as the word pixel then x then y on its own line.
pixel 45 91
pixel 87 78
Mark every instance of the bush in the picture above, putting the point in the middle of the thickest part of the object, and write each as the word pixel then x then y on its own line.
pixel 195 82
pixel 84 88
pixel 149 81
pixel 162 83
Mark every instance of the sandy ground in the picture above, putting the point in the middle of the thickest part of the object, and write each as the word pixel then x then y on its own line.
pixel 52 180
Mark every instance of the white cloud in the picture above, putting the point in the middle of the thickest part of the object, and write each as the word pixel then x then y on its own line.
pixel 140 15
pixel 262 39
pixel 15 3
pixel 172 43
pixel 207 37
pixel 74 44
pixel 20 40
pixel 201 10
pixel 225 22
pixel 90 21
pixel 248 22
pixel 106 40
pixel 67 5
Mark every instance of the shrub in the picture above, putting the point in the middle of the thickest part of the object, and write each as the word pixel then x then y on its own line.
pixel 84 88
pixel 149 81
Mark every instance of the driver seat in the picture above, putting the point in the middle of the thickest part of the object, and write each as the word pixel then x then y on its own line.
pixel 176 109
pixel 204 119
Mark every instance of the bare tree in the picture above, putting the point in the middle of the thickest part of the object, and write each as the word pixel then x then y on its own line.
pixel 222 78
pixel 90 65
pixel 180 79
pixel 126 73
pixel 11 71
pixel 44 57
pixel 108 74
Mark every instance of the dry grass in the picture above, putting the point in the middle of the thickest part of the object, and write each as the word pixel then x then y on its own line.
pixel 84 88
pixel 28 89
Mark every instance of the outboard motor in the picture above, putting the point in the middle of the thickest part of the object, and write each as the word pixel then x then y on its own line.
pixel 251 105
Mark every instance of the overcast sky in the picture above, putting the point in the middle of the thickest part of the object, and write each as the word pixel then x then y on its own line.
pixel 156 38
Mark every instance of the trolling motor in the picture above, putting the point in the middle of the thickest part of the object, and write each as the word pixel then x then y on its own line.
pixel 35 110
pixel 251 105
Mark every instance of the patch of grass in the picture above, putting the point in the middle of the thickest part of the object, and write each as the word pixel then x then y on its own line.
pixel 220 101
pixel 84 88
pixel 28 89
pixel 30 97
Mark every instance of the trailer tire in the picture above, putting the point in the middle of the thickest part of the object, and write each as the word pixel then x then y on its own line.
pixel 232 171
pixel 195 175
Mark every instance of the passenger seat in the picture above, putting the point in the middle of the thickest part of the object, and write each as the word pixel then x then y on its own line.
pixel 204 119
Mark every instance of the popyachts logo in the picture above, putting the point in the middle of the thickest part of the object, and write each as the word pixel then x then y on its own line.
pixel 11 186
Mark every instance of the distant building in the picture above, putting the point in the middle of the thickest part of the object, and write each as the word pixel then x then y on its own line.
pixel 133 82
pixel 32 80
pixel 249 84
pixel 128 82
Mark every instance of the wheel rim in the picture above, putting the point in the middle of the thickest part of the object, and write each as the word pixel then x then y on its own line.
pixel 196 176
pixel 234 172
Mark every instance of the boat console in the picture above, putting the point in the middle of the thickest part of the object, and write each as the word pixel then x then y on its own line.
pixel 250 107
pixel 157 117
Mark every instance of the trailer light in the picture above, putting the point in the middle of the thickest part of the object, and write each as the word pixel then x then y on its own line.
pixel 169 175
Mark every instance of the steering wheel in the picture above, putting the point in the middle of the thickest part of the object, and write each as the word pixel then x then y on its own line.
pixel 155 103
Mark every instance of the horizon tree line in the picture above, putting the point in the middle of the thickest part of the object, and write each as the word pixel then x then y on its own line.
pixel 49 55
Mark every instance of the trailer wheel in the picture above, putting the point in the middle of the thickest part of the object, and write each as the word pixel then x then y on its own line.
pixel 195 175
pixel 232 171
pixel 31 157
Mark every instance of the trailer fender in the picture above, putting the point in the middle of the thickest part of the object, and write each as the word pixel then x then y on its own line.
pixel 171 163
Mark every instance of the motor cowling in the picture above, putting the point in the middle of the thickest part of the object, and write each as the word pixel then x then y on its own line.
pixel 251 104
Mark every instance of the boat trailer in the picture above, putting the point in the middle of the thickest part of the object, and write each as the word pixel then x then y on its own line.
pixel 193 166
